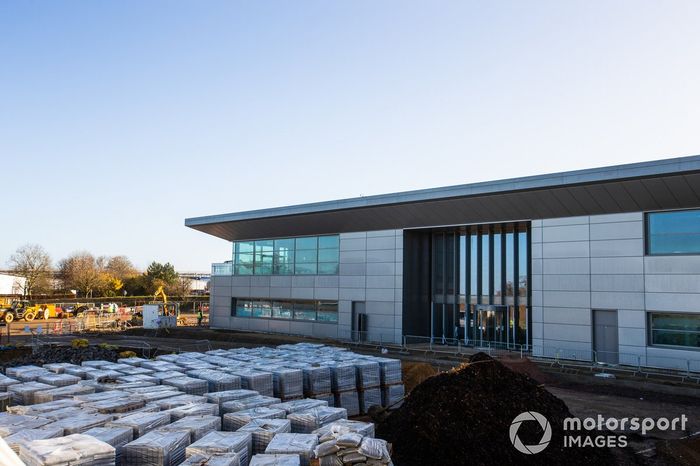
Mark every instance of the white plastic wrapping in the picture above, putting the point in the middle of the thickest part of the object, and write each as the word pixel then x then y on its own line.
pixel 179 400
pixel 72 449
pixel 27 435
pixel 23 393
pixel 390 370
pixel 236 420
pixel 248 403
pixel 335 428
pixel 11 423
pixel 115 436
pixel 197 426
pixel 342 376
pixel 368 373
pixel 59 367
pixel 329 398
pixel 259 381
pixel 223 442
pixel 142 423
pixel 67 392
pixel 263 430
pixel 299 444
pixel 317 380
pixel 392 395
pixel 218 381
pixel 311 419
pixel 38 409
pixel 275 460
pixel 116 405
pixel 79 371
pixel 228 459
pixel 100 375
pixel 6 382
pixel 197 409
pixel 188 385
pixel 230 395
pixel 157 448
pixel 370 397
pixel 294 406
pixel 81 423
pixel 349 400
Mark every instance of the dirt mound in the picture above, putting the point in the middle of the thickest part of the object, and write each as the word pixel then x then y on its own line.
pixel 464 416
pixel 527 367
pixel 413 373
pixel 685 452
pixel 56 354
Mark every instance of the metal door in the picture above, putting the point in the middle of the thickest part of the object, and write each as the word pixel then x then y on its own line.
pixel 605 342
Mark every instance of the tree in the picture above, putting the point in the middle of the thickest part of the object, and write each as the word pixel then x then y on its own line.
pixel 32 263
pixel 80 271
pixel 181 287
pixel 158 274
pixel 121 267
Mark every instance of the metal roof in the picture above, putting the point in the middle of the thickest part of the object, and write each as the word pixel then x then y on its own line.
pixel 663 184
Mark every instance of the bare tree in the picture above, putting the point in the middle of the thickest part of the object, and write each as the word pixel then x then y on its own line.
pixel 181 287
pixel 32 263
pixel 80 271
pixel 121 267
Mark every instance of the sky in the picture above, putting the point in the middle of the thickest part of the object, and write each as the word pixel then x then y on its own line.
pixel 119 119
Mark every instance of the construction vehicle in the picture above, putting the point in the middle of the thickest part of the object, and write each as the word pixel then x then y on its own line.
pixel 158 314
pixel 23 309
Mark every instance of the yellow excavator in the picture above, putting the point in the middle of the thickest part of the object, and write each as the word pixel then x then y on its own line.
pixel 169 309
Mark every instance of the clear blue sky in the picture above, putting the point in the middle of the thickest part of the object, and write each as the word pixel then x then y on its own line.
pixel 118 119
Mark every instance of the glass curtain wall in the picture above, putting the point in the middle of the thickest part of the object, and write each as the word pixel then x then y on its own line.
pixel 480 282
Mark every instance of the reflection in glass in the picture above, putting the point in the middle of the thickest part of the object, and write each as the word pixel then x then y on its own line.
pixel 676 232
pixel 497 266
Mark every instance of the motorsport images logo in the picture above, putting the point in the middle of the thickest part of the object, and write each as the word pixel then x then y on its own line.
pixel 546 432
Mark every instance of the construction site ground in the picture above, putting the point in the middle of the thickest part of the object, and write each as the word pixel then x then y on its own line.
pixel 584 394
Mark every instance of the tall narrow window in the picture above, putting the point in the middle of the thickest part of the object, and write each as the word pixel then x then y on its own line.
pixel 497 269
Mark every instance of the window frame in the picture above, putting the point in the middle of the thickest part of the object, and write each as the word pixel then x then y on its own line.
pixel 650 331
pixel 647 234
pixel 319 305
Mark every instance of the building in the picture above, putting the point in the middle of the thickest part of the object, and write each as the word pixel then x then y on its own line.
pixel 590 264
pixel 11 285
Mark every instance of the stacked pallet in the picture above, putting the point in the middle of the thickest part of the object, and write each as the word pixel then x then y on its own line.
pixel 215 443
pixel 294 444
pixel 353 448
pixel 157 448
pixel 114 436
pixel 73 449
pixel 234 421
pixel 263 431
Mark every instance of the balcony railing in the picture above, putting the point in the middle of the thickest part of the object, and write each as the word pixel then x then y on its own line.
pixel 222 269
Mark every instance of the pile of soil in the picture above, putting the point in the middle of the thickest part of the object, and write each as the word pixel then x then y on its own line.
pixel 413 373
pixel 527 367
pixel 464 416
pixel 55 354
pixel 684 452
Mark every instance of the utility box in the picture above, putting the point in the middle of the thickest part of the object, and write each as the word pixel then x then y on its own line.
pixel 159 316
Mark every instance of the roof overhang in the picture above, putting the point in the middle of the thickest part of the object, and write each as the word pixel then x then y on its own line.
pixel 663 184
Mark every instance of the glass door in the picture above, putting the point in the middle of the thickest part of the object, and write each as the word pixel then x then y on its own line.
pixel 491 326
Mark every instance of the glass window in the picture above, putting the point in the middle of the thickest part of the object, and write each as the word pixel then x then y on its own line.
pixel 462 265
pixel 497 269
pixel 328 311
pixel 510 268
pixel 262 309
pixel 310 242
pixel 473 267
pixel 522 266
pixel 485 267
pixel 282 309
pixel 286 256
pixel 328 255
pixel 304 310
pixel 329 268
pixel 675 329
pixel 673 232
pixel 329 242
pixel 283 263
pixel 244 308
pixel 305 269
pixel 305 256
